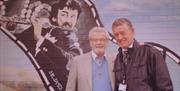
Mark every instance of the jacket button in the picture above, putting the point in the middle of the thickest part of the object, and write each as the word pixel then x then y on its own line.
pixel 45 49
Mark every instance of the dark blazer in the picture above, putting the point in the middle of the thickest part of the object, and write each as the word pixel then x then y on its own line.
pixel 27 38
pixel 146 70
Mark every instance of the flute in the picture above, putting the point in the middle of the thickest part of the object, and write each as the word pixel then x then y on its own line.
pixel 18 20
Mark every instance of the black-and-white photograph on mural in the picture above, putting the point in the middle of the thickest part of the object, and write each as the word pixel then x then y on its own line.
pixel 50 33
pixel 39 38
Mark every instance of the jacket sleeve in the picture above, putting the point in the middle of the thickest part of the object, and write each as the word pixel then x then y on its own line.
pixel 53 50
pixel 61 41
pixel 160 75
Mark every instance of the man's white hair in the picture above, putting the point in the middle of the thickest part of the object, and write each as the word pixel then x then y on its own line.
pixel 98 29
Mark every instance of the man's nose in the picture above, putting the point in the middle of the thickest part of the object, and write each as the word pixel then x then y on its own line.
pixel 119 37
pixel 99 41
pixel 68 19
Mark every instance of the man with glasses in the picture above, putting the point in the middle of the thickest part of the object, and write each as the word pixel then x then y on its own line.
pixel 93 71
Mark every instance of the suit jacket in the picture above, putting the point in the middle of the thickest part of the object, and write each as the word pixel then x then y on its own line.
pixel 80 76
pixel 27 38
pixel 146 69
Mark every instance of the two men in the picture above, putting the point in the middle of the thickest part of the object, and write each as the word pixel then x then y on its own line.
pixel 93 71
pixel 138 67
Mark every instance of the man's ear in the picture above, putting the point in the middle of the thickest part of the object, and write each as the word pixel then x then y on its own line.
pixel 53 19
pixel 133 31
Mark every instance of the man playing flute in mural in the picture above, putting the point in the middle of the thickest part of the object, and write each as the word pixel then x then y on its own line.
pixel 56 42
pixel 60 44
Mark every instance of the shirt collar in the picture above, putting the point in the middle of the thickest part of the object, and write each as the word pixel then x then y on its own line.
pixel 94 56
pixel 131 46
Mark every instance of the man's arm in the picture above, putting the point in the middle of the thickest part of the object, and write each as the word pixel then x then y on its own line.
pixel 53 50
pixel 161 74
pixel 62 40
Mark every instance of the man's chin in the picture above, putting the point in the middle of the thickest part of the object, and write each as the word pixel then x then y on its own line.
pixel 67 28
pixel 100 51
pixel 123 46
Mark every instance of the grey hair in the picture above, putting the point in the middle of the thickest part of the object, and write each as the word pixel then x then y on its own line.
pixel 98 29
pixel 122 21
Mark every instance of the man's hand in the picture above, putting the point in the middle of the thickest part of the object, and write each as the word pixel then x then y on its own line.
pixel 37 24
pixel 65 38
pixel 39 19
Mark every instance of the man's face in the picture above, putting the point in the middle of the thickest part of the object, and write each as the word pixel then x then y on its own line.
pixel 124 35
pixel 98 42
pixel 67 18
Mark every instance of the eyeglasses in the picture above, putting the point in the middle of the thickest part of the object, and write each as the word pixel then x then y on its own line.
pixel 101 40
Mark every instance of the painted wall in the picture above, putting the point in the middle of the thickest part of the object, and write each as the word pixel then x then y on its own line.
pixel 154 21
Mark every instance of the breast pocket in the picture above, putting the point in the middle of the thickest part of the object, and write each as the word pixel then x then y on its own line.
pixel 139 70
pixel 118 70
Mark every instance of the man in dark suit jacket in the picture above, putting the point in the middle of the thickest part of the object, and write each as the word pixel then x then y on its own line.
pixel 138 66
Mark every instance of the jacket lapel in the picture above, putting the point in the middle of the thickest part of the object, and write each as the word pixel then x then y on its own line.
pixel 132 54
pixel 88 65
pixel 110 69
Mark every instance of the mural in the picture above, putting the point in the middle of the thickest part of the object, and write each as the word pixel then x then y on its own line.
pixel 42 36
pixel 50 33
